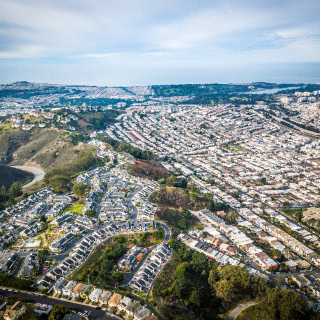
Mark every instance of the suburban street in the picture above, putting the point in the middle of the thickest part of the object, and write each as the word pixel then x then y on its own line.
pixel 131 206
pixel 95 314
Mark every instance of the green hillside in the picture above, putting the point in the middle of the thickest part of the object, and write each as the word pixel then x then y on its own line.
pixel 9 175
pixel 44 148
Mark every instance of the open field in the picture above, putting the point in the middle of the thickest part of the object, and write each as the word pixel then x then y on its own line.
pixel 75 208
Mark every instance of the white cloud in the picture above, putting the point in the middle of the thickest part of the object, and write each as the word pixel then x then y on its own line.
pixel 159 35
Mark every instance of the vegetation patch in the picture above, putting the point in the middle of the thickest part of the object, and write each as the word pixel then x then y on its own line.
pixel 60 178
pixel 75 208
pixel 12 282
pixel 197 288
pixel 280 304
pixel 10 141
pixel 101 267
pixel 179 198
pixel 126 147
pixel 149 170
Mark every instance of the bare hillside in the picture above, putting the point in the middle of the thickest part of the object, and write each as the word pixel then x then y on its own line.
pixel 47 149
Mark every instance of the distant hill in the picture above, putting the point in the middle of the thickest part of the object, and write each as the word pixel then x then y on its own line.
pixel 8 175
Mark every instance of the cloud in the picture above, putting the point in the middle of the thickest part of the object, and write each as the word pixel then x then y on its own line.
pixel 157 35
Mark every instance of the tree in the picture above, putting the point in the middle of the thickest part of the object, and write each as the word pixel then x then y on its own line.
pixel 194 298
pixel 286 205
pixel 59 183
pixel 4 196
pixel 15 190
pixel 171 180
pixel 224 290
pixel 263 180
pixel 3 191
pixel 117 276
pixel 286 304
pixel 90 213
pixel 211 205
pixel 276 253
pixel 299 215
pixel 79 189
pixel 181 183
pixel 231 217
pixel 139 256
pixel 58 311
pixel 42 254
pixel 43 226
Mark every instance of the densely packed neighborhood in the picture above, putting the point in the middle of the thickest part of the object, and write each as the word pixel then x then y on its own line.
pixel 245 157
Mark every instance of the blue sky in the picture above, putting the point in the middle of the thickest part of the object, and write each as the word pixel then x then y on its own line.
pixel 140 42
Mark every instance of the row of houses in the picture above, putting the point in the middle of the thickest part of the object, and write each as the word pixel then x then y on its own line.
pixel 208 249
pixel 8 263
pixel 74 290
pixel 131 258
pixel 83 249
pixel 146 209
pixel 283 236
pixel 241 240
pixel 144 277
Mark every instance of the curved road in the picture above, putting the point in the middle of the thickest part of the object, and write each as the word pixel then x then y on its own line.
pixel 131 205
pixel 38 174
pixel 236 311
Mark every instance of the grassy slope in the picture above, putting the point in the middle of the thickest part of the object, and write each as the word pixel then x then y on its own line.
pixel 9 175
pixel 75 208
pixel 11 140
pixel 173 205
pixel 44 148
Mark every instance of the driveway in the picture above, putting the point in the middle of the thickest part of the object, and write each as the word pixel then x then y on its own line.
pixel 38 174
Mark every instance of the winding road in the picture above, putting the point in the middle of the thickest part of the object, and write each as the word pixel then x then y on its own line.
pixel 236 311
pixel 38 174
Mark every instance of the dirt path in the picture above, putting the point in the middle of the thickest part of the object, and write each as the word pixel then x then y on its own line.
pixel 38 174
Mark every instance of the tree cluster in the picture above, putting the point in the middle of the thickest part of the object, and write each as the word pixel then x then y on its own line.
pixel 8 196
pixel 60 178
pixel 286 304
pixel 233 283
pixel 125 147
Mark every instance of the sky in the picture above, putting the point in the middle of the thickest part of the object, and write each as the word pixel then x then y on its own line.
pixel 145 42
